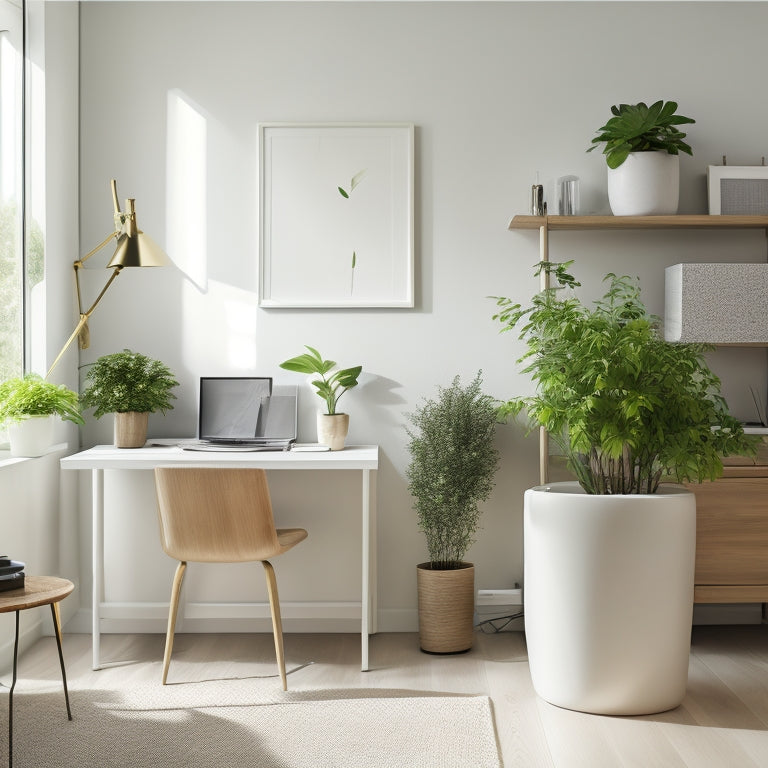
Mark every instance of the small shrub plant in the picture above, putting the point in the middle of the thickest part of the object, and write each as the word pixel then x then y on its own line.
pixel 453 462
pixel 128 381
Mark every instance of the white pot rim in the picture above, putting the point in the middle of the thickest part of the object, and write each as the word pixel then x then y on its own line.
pixel 572 487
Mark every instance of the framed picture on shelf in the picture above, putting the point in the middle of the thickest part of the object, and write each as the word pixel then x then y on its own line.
pixel 336 214
pixel 738 190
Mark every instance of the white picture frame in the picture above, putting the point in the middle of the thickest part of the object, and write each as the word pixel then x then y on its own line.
pixel 336 215
pixel 737 189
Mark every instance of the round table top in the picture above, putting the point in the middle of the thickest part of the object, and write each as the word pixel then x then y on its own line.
pixel 37 590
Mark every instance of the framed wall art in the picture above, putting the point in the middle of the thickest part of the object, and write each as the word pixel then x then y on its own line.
pixel 336 214
pixel 738 189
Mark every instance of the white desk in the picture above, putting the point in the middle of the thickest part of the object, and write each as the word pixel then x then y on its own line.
pixel 363 458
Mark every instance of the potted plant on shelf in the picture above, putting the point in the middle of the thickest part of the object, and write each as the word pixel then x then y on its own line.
pixel 453 462
pixel 28 408
pixel 332 427
pixel 131 386
pixel 609 560
pixel 642 146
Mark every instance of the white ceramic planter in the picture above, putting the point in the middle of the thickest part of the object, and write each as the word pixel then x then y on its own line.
pixel 32 436
pixel 332 429
pixel 608 597
pixel 645 184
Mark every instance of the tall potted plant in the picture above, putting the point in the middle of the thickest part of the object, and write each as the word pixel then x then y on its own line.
pixel 641 145
pixel 131 386
pixel 332 426
pixel 453 462
pixel 28 408
pixel 609 559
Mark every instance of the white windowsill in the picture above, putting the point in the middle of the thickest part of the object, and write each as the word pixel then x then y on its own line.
pixel 6 460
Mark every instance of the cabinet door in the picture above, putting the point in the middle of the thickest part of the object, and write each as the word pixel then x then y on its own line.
pixel 732 531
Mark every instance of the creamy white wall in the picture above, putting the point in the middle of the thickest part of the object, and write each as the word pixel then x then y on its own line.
pixel 501 94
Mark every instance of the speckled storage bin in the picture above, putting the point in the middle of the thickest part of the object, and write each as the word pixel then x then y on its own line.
pixel 716 303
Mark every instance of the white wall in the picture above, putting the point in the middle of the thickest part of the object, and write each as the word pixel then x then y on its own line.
pixel 502 94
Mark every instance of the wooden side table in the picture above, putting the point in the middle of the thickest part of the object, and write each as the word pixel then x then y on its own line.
pixel 37 590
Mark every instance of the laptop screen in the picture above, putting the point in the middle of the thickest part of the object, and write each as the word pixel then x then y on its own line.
pixel 246 410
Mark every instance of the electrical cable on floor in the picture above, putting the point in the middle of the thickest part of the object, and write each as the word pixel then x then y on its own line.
pixel 490 627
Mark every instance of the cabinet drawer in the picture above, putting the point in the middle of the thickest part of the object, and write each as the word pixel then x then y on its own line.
pixel 732 531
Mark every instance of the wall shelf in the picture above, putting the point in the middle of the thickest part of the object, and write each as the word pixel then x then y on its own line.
pixel 684 221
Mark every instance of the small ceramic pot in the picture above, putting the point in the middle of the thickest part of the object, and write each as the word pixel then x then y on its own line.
pixel 332 429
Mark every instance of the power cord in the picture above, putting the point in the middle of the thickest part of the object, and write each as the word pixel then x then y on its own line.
pixel 490 626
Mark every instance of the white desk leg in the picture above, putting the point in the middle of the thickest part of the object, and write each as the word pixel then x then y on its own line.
pixel 97 484
pixel 369 587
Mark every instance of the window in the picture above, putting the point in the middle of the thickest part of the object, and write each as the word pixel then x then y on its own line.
pixel 11 189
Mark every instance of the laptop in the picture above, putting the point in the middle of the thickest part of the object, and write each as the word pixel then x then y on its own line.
pixel 245 413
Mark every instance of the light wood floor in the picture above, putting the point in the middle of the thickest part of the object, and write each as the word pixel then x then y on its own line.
pixel 723 722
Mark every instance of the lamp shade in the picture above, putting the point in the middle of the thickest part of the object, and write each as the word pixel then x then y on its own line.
pixel 137 250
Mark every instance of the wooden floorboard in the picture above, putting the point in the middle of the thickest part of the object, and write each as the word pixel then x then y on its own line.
pixel 722 723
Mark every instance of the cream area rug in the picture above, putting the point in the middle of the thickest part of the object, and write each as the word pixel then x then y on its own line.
pixel 229 724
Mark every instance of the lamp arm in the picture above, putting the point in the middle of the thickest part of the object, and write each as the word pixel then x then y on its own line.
pixel 79 263
pixel 75 333
pixel 104 242
pixel 82 325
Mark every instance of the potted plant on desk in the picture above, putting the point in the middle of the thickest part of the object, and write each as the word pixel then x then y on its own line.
pixel 332 427
pixel 131 386
pixel 28 408
pixel 453 462
pixel 609 560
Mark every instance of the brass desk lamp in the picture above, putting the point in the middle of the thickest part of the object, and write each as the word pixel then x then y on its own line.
pixel 134 249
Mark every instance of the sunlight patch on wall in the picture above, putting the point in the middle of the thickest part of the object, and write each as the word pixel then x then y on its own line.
pixel 240 324
pixel 186 202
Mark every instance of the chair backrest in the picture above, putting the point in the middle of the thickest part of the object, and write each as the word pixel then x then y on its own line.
pixel 215 515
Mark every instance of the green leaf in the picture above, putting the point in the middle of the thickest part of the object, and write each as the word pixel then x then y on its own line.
pixel 343 193
pixel 357 178
pixel 639 128
pixel 329 388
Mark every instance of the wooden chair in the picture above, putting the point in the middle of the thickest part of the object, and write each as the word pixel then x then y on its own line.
pixel 214 515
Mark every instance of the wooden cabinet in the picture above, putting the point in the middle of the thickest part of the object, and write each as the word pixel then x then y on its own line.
pixel 732 537
pixel 732 512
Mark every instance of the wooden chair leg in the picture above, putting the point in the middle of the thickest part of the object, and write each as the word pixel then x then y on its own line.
pixel 174 609
pixel 277 624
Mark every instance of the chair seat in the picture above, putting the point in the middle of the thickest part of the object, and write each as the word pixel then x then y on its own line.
pixel 290 537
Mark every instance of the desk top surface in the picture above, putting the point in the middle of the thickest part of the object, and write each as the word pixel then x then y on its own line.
pixel 166 452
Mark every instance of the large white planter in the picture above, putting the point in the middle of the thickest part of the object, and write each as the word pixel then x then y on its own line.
pixel 608 597
pixel 32 436
pixel 645 184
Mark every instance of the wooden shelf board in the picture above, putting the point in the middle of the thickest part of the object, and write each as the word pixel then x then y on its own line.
pixel 684 221
pixel 715 593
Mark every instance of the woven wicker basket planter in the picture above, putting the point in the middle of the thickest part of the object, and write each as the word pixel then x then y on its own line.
pixel 446 608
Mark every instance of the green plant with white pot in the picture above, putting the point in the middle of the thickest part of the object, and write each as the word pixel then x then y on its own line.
pixel 453 462
pixel 130 385
pixel 332 426
pixel 641 145
pixel 609 560
pixel 28 407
